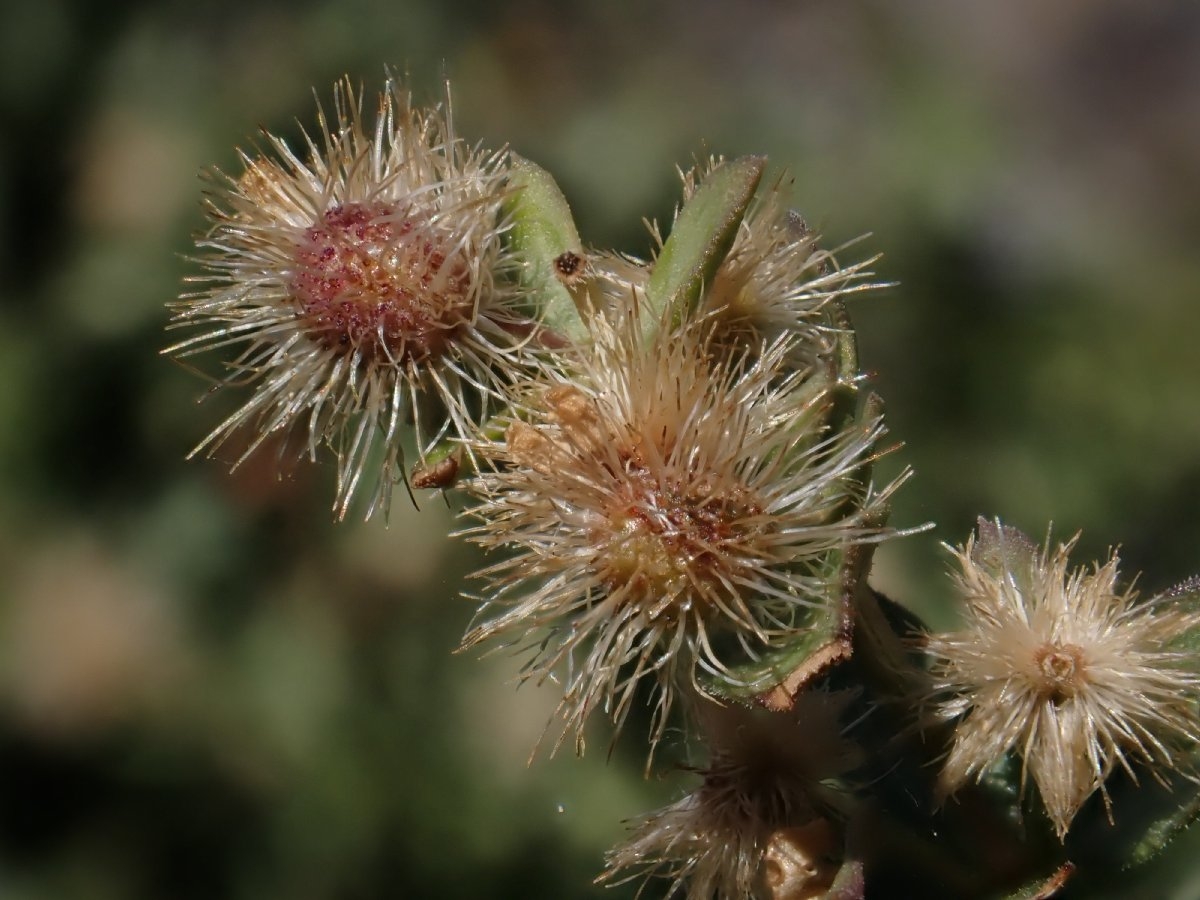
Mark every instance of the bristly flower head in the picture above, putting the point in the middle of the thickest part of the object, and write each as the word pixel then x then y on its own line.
pixel 776 279
pixel 1062 667
pixel 661 508
pixel 765 822
pixel 362 285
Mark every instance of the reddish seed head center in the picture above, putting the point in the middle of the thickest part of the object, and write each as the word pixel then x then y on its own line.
pixel 370 277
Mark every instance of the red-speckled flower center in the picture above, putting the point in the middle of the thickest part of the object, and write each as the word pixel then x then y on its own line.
pixel 370 277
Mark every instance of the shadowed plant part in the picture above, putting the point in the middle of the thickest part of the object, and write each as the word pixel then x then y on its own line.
pixel 767 820
pixel 360 287
pixel 1062 667
pixel 664 511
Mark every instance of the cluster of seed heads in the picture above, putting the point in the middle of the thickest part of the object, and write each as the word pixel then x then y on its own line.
pixel 676 483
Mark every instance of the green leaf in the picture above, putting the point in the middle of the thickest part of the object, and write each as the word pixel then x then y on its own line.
pixel 1146 816
pixel 1164 830
pixel 544 236
pixel 700 239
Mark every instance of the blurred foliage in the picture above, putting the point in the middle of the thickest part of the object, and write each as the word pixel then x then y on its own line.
pixel 208 690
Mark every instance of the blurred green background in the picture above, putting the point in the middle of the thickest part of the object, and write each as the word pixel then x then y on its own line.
pixel 208 690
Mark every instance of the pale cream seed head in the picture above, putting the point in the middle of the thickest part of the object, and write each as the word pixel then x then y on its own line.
pixel 1063 668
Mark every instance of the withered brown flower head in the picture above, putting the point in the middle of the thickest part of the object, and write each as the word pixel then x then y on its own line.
pixel 1062 667
pixel 659 505
pixel 361 285
pixel 766 820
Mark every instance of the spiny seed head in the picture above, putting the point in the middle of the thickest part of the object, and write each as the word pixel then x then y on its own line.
pixel 1061 666
pixel 765 820
pixel 656 501
pixel 776 278
pixel 362 285
pixel 365 279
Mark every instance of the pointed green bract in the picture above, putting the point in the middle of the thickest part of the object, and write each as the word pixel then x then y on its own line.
pixel 847 343
pixel 542 232
pixel 700 239
pixel 845 374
